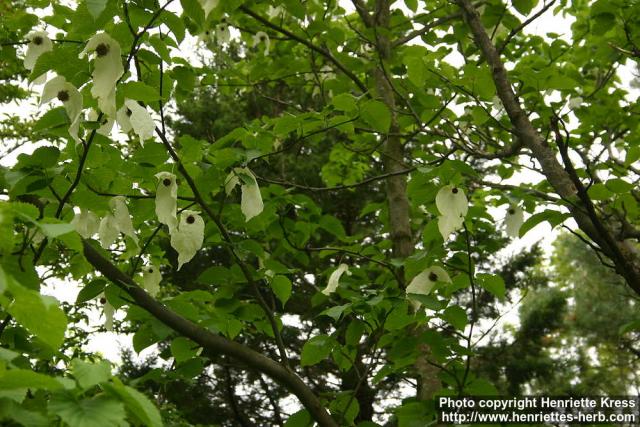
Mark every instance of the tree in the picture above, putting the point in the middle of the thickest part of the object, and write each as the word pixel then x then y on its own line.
pixel 345 179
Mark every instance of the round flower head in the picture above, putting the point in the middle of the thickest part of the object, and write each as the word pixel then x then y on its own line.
pixel 262 37
pixel 39 43
pixel 188 237
pixel 107 70
pixel 58 88
pixel 513 221
pixel 133 116
pixel 167 199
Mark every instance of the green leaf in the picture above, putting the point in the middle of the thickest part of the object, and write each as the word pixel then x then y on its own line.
pixel 49 324
pixel 96 7
pixel 99 410
pixel 345 406
pixel 22 378
pixel 91 290
pixel 140 92
pixel 416 70
pixel 619 186
pixel 335 312
pixel 194 11
pixel 524 6
pixel 376 115
pixel 455 315
pixel 183 349
pixel 51 120
pixel 552 217
pixel 344 102
pixel 89 374
pixel 285 125
pixel 332 225
pixel 492 283
pixel 281 286
pixel 53 230
pixel 302 418
pixel 137 403
pixel 316 350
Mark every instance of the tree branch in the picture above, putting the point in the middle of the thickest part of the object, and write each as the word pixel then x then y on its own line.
pixel 211 343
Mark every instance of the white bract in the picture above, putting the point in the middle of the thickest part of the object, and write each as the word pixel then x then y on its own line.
pixel 167 199
pixel 188 237
pixel 39 43
pixel 151 278
pixel 65 92
pixel 451 201
pixel 223 34
pixel 424 282
pixel 262 37
pixel 513 221
pixel 115 222
pixel 85 223
pixel 208 5
pixel 133 116
pixel 107 70
pixel 123 219
pixel 108 311
pixel 575 102
pixel 251 203
pixel 449 224
pixel 334 279
pixel 106 123
pixel 108 231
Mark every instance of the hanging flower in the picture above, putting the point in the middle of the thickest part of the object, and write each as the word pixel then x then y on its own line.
pixel 274 12
pixel 251 203
pixel 208 5
pixel 107 70
pixel 134 116
pixel 108 311
pixel 223 34
pixel 167 199
pixel 575 102
pixel 334 279
pixel 188 237
pixel 108 231
pixel 115 222
pixel 262 37
pixel 39 43
pixel 85 223
pixel 513 221
pixel 449 224
pixel 123 219
pixel 424 282
pixel 451 201
pixel 71 99
pixel 106 123
pixel 151 278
